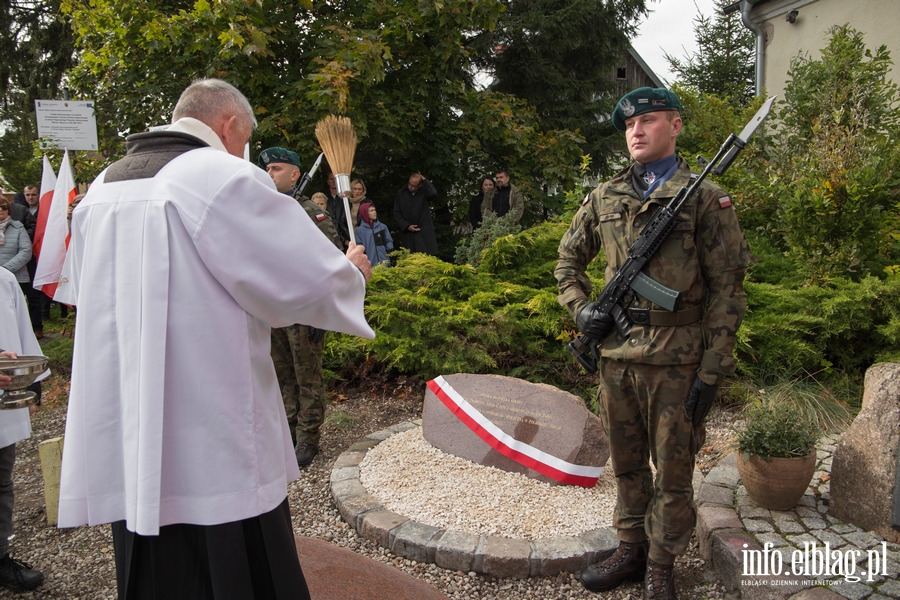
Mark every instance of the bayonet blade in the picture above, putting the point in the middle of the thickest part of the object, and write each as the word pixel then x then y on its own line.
pixel 757 120
pixel 316 164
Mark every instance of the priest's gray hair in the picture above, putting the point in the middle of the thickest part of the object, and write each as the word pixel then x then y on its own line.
pixel 209 100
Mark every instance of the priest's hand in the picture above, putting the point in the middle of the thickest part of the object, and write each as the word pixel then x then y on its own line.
pixel 357 255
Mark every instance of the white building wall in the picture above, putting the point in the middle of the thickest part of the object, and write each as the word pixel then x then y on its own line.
pixel 878 20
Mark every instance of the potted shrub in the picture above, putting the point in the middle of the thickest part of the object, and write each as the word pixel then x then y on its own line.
pixel 776 453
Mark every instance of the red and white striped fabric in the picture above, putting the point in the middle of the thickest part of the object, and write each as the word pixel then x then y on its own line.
pixel 55 230
pixel 48 185
pixel 524 454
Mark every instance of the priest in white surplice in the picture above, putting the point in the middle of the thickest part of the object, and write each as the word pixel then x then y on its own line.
pixel 16 339
pixel 182 256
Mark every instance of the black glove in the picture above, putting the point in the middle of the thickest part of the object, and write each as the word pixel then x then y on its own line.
pixel 699 401
pixel 594 323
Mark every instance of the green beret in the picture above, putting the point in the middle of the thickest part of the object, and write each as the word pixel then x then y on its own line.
pixel 278 155
pixel 643 100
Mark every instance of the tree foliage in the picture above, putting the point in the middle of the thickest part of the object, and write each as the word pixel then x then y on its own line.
pixel 560 55
pixel 36 45
pixel 403 71
pixel 831 184
pixel 725 61
pixel 470 248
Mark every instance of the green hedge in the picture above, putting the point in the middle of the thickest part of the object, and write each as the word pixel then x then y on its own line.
pixel 844 326
pixel 432 318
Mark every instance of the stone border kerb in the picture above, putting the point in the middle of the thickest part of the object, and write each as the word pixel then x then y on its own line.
pixel 454 550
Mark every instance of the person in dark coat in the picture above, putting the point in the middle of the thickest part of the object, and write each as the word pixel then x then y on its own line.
pixel 487 184
pixel 413 215
pixel 335 206
pixel 20 213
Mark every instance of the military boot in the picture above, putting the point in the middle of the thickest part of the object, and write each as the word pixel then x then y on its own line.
pixel 627 563
pixel 305 453
pixel 660 582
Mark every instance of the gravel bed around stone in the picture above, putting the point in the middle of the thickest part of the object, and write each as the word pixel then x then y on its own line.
pixel 78 563
pixel 414 479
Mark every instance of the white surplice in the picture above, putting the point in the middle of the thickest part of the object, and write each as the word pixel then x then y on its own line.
pixel 175 414
pixel 15 336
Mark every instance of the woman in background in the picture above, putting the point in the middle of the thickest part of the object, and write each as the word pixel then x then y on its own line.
pixel 357 197
pixel 15 246
pixel 487 184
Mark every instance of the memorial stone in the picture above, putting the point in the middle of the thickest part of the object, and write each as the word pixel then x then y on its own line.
pixel 866 457
pixel 540 415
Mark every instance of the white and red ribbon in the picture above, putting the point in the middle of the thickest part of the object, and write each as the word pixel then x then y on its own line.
pixel 524 454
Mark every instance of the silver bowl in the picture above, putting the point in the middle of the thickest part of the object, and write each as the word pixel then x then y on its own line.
pixel 23 371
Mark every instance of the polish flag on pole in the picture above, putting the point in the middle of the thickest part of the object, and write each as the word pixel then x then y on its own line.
pixel 56 230
pixel 48 184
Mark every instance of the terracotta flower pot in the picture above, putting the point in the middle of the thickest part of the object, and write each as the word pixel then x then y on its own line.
pixel 777 484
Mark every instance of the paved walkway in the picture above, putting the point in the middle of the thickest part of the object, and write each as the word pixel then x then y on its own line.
pixel 339 573
pixel 758 551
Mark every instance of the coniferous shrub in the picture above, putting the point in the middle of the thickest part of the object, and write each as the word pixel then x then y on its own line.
pixel 845 326
pixel 470 248
pixel 434 318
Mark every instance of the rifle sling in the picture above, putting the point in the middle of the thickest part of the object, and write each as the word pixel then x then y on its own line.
pixel 664 318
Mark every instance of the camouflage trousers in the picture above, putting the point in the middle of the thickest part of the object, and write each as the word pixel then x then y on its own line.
pixel 298 366
pixel 642 409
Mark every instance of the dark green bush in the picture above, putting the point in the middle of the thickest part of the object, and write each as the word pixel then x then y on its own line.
pixel 779 430
pixel 844 326
pixel 432 318
pixel 470 248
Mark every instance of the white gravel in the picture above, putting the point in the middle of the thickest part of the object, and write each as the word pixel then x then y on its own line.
pixel 413 478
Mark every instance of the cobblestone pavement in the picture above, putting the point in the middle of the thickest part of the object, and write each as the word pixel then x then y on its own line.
pixel 802 554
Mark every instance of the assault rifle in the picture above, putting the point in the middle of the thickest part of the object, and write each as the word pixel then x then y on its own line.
pixel 630 276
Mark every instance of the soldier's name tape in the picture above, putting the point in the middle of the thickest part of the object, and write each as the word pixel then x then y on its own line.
pixel 524 454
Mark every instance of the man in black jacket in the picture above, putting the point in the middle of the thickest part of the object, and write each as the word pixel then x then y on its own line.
pixel 413 215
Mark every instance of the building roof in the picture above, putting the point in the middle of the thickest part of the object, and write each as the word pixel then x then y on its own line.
pixel 645 67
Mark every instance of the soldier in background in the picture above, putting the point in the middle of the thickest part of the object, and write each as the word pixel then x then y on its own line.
pixel 297 349
pixel 657 385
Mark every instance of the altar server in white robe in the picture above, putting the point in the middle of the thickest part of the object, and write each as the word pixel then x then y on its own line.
pixel 182 257
pixel 16 339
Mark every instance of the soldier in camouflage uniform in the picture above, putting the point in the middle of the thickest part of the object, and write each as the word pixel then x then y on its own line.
pixel 657 385
pixel 297 349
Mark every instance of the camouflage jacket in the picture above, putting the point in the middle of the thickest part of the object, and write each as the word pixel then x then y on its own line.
pixel 703 258
pixel 322 220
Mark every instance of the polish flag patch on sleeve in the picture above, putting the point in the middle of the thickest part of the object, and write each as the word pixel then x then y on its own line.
pixel 724 201
pixel 320 216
